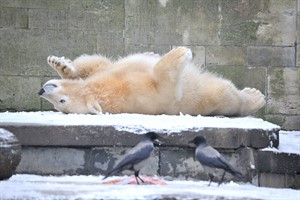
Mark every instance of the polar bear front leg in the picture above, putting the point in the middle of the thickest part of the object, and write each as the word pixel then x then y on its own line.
pixel 168 71
pixel 63 66
pixel 254 100
pixel 172 63
pixel 93 105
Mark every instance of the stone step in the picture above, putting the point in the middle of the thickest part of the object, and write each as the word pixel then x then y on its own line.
pixel 278 169
pixel 57 129
pixel 59 144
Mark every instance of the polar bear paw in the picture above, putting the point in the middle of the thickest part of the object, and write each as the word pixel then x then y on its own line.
pixel 254 100
pixel 62 65
pixel 183 54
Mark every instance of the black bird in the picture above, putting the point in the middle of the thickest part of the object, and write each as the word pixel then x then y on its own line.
pixel 137 157
pixel 210 159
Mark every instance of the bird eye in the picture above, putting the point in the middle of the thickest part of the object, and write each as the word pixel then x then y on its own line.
pixel 62 101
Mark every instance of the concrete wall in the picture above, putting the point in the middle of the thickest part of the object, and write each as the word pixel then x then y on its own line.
pixel 251 42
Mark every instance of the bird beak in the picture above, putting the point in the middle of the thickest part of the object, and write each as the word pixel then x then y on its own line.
pixel 158 140
pixel 192 141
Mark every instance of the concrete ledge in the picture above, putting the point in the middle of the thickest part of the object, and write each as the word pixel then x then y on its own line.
pixel 279 180
pixel 279 163
pixel 60 130
pixel 58 144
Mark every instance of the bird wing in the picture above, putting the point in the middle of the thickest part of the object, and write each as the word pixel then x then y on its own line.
pixel 210 157
pixel 137 154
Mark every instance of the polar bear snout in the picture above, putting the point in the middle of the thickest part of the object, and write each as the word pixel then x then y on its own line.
pixel 41 92
pixel 47 88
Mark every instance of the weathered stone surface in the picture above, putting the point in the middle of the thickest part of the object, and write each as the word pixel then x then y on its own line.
pixel 104 15
pixel 280 163
pixel 284 81
pixel 51 161
pixel 179 162
pixel 284 91
pixel 284 96
pixel 111 43
pixel 271 56
pixel 279 180
pixel 286 104
pixel 298 37
pixel 225 55
pixel 16 89
pixel 55 4
pixel 195 22
pixel 10 154
pixel 74 161
pixel 298 54
pixel 258 22
pixel 27 50
pixel 287 122
pixel 13 17
pixel 227 138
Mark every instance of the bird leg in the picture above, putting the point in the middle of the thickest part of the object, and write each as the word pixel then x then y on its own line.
pixel 136 174
pixel 222 178
pixel 211 177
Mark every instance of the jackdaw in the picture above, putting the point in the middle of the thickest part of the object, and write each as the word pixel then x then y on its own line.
pixel 210 159
pixel 137 157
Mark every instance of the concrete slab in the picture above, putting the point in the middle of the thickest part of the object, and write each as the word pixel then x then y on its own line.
pixel 57 129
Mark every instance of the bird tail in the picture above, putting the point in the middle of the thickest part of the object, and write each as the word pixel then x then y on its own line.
pixel 238 174
pixel 227 167
pixel 235 173
pixel 111 173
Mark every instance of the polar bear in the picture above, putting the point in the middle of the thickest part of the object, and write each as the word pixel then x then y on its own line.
pixel 145 83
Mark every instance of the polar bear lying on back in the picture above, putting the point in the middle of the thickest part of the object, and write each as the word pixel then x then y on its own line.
pixel 146 84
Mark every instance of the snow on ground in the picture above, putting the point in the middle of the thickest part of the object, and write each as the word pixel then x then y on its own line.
pixel 90 187
pixel 135 122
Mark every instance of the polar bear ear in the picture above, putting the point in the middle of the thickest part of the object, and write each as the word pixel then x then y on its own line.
pixel 94 107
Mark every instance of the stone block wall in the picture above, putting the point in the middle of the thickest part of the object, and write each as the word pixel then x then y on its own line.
pixel 253 42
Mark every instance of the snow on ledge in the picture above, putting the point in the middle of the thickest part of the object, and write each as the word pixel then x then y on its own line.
pixel 23 186
pixel 134 122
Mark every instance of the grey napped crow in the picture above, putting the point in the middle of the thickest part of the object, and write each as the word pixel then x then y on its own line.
pixel 210 159
pixel 137 157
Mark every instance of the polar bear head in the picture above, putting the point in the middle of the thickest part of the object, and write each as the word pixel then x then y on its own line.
pixel 67 96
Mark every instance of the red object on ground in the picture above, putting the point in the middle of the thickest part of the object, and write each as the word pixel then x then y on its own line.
pixel 148 180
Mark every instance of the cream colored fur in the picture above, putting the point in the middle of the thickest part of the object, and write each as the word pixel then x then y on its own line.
pixel 147 84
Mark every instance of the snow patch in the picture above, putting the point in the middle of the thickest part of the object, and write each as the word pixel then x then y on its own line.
pixel 90 187
pixel 135 123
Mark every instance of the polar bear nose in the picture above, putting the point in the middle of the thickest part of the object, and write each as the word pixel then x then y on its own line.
pixel 42 91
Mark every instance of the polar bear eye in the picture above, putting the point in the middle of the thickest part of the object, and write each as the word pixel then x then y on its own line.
pixel 62 101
